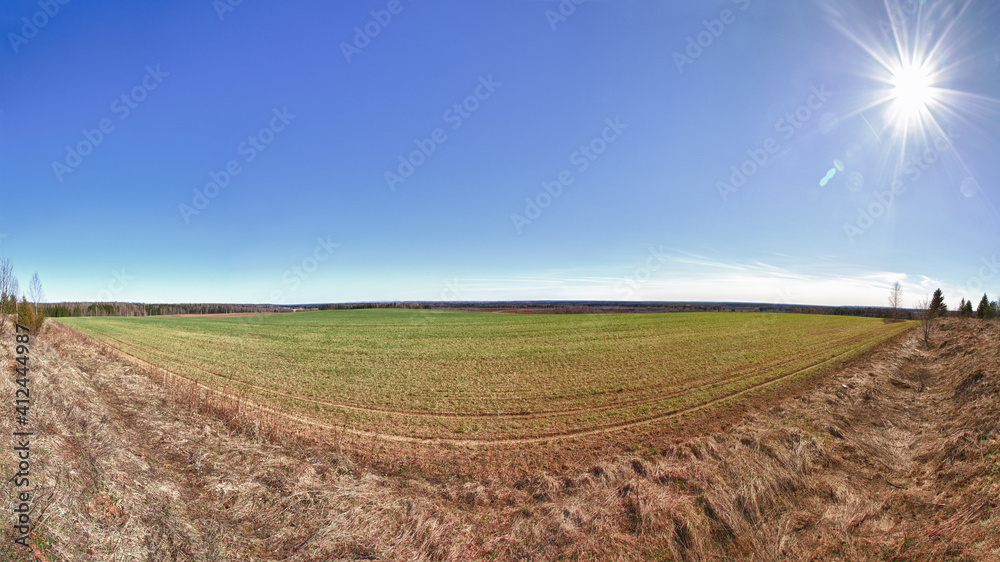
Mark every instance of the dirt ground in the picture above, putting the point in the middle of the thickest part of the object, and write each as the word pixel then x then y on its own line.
pixel 894 457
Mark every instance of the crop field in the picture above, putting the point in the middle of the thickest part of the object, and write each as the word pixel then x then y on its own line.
pixel 482 376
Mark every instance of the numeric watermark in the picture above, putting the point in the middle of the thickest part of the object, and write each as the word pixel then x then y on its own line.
pixel 22 435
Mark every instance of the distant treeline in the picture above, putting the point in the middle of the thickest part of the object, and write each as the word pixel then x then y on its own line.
pixel 355 306
pixel 68 309
pixel 589 307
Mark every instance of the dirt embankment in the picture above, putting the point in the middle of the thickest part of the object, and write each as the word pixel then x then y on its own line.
pixel 896 457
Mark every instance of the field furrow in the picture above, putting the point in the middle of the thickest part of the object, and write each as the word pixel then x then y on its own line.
pixel 486 376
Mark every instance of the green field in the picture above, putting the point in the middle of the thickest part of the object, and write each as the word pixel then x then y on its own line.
pixel 485 375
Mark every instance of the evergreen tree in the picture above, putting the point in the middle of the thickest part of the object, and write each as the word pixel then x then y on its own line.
pixel 937 306
pixel 983 311
pixel 967 309
pixel 25 315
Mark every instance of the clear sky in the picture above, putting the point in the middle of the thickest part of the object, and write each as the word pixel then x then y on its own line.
pixel 306 151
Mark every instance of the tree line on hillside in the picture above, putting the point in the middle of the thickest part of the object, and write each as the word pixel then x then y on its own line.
pixel 72 309
pixel 9 304
pixel 986 309
pixel 570 307
pixel 25 311
pixel 934 307
pixel 363 305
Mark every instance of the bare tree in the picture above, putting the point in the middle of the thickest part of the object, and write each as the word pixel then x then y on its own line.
pixel 7 288
pixel 36 292
pixel 926 314
pixel 895 299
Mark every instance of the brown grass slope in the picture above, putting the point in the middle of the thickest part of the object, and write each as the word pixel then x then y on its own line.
pixel 902 464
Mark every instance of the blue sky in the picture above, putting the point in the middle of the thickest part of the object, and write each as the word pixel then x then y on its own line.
pixel 307 151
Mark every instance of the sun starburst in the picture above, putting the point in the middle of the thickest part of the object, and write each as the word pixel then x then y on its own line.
pixel 912 92
pixel 908 89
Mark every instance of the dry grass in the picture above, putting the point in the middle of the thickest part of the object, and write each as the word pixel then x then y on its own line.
pixel 901 464
pixel 132 469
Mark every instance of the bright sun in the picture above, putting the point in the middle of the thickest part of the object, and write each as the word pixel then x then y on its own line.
pixel 912 91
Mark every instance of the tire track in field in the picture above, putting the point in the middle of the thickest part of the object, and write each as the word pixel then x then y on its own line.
pixel 508 403
pixel 581 432
pixel 638 402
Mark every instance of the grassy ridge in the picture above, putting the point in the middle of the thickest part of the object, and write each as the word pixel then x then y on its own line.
pixel 433 373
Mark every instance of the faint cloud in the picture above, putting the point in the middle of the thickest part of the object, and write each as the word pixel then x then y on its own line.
pixel 708 263
pixel 679 277
pixel 642 272
pixel 926 281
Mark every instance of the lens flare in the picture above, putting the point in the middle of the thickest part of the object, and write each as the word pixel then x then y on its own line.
pixel 829 176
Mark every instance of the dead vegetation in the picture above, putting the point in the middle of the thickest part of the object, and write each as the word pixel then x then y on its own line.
pixel 896 457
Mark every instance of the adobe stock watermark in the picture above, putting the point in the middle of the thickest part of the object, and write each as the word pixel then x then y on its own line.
pixel 784 298
pixel 32 26
pixel 225 7
pixel 786 127
pixel 987 272
pixel 455 116
pixel 294 276
pixel 250 149
pixel 580 159
pixel 697 44
pixel 364 35
pixel 562 13
pixel 913 168
pixel 119 282
pixel 452 290
pixel 642 273
pixel 122 107
pixel 898 12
